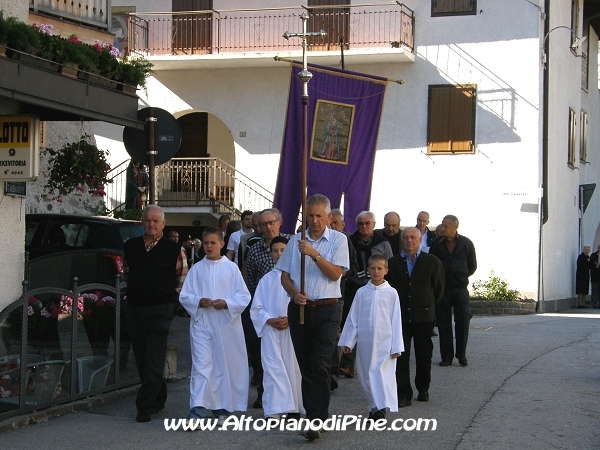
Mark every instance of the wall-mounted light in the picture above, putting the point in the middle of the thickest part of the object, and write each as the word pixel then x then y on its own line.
pixel 574 46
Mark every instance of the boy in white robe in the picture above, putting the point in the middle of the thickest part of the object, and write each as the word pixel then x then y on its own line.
pixel 214 294
pixel 282 378
pixel 374 325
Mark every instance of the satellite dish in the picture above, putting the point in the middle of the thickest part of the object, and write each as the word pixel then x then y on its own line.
pixel 167 137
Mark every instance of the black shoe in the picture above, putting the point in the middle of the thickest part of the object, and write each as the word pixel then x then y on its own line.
pixel 380 414
pixel 463 362
pixel 445 363
pixel 404 402
pixel 334 384
pixel 257 403
pixel 311 435
pixel 423 396
pixel 293 416
pixel 143 417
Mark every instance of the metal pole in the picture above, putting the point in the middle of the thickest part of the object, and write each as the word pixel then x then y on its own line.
pixel 151 155
pixel 305 77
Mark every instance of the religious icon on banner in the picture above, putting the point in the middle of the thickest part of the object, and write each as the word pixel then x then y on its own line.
pixel 332 129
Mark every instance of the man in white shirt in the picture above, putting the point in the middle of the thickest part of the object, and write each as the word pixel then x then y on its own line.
pixel 315 340
pixel 234 239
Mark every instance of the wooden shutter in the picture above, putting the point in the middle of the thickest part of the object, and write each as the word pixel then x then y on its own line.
pixel 453 7
pixel 192 33
pixel 451 119
pixel 335 22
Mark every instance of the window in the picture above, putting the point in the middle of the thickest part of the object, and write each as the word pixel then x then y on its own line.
pixel 585 65
pixel 451 119
pixel 583 134
pixel 571 152
pixel 453 7
pixel 574 21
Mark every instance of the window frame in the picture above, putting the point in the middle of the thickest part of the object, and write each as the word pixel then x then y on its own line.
pixel 583 136
pixel 471 12
pixel 434 125
pixel 571 139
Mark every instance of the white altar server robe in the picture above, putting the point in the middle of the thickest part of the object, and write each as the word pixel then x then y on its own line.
pixel 281 379
pixel 374 325
pixel 219 377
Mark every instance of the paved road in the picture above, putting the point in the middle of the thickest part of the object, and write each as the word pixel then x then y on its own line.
pixel 533 382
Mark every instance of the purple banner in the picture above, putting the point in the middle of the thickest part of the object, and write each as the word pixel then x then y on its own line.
pixel 344 112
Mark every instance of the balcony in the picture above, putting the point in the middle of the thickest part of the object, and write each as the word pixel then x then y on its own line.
pixel 251 37
pixel 90 12
pixel 195 185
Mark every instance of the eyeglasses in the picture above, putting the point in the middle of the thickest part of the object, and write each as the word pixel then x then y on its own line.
pixel 269 223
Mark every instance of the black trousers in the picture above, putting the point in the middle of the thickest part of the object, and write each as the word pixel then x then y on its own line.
pixel 336 356
pixel 314 343
pixel 420 334
pixel 457 299
pixel 149 330
pixel 253 347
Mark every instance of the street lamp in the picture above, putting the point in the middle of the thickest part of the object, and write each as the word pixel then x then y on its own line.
pixel 576 43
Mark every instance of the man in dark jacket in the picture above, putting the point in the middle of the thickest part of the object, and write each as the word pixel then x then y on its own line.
pixel 595 277
pixel 419 279
pixel 457 255
pixel 427 235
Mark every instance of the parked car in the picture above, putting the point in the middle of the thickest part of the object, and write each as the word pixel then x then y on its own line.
pixel 63 246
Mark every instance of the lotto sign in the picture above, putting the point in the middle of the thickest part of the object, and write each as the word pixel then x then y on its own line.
pixel 19 148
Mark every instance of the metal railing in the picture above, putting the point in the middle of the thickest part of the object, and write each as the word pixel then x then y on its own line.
pixel 93 12
pixel 261 30
pixel 195 182
pixel 208 182
pixel 116 189
pixel 64 352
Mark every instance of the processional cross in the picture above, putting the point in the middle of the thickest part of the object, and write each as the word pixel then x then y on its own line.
pixel 305 77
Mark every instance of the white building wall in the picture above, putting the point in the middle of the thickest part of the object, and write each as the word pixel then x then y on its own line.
pixel 495 192
pixel 560 234
pixel 590 102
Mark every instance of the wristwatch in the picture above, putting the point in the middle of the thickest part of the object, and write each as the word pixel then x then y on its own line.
pixel 317 258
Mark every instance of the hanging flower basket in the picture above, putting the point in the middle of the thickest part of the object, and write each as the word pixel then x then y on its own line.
pixel 76 166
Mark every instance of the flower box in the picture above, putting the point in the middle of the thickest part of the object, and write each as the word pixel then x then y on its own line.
pixel 69 70
pixel 128 89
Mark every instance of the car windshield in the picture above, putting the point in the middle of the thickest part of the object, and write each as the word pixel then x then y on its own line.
pixel 128 231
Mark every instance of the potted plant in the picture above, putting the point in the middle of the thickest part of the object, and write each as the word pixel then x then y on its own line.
pixel 76 166
pixel 134 73
pixel 100 60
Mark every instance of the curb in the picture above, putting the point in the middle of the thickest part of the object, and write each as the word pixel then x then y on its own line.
pixel 35 417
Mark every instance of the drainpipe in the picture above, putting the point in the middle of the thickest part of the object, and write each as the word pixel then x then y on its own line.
pixel 544 204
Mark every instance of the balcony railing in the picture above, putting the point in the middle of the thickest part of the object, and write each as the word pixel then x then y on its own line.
pixel 92 12
pixel 261 30
pixel 192 182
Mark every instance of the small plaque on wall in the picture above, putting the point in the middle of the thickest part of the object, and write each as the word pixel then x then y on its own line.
pixel 15 188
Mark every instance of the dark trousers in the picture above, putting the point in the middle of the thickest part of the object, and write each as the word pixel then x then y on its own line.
pixel 336 356
pixel 348 359
pixel 314 343
pixel 420 334
pixel 149 330
pixel 595 294
pixel 253 347
pixel 457 299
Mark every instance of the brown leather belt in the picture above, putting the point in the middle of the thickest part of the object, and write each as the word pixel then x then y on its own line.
pixel 322 302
